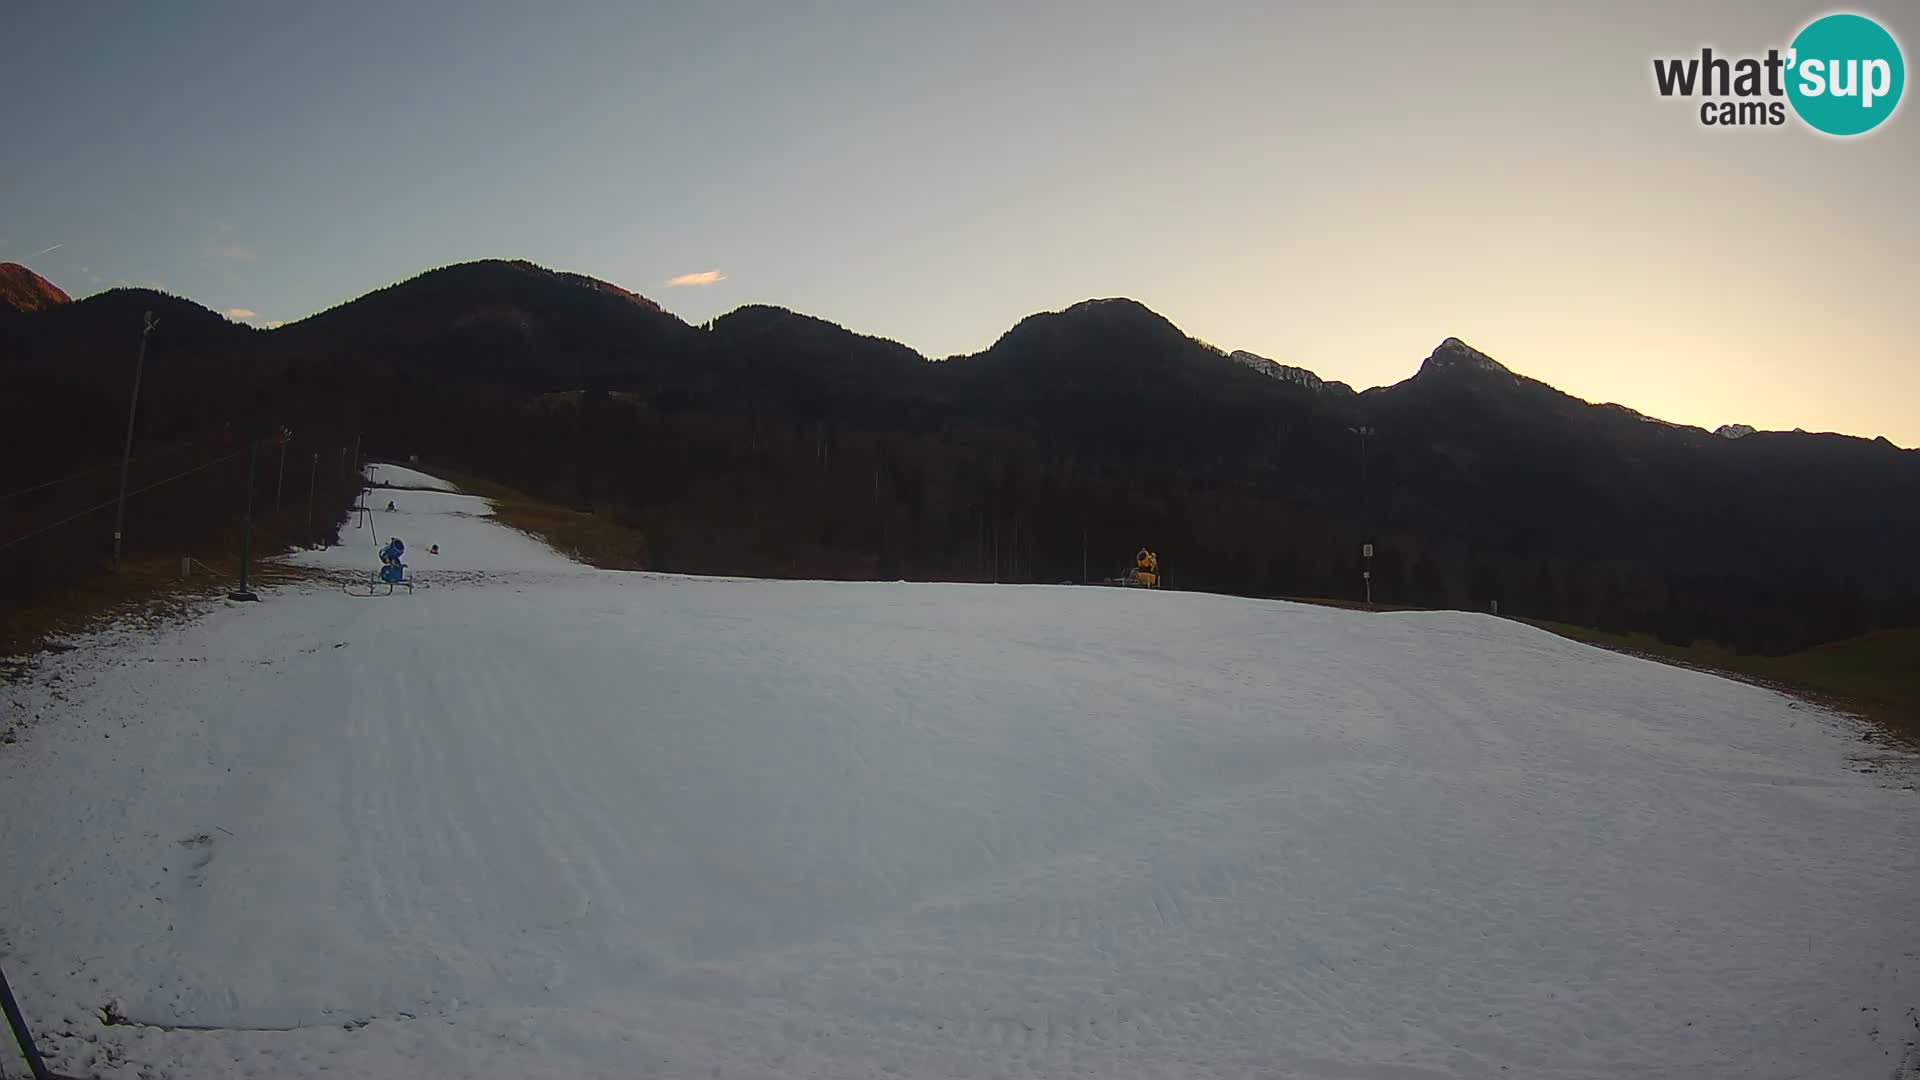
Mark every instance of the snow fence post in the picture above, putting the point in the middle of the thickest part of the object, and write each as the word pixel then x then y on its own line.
pixel 20 1033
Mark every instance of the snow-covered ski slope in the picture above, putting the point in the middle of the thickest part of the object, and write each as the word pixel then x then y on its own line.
pixel 427 513
pixel 399 476
pixel 540 820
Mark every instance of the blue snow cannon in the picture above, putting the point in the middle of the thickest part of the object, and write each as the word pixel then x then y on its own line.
pixel 391 570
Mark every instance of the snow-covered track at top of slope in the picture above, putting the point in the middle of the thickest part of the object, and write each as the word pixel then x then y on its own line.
pixel 559 821
pixel 399 477
pixel 472 545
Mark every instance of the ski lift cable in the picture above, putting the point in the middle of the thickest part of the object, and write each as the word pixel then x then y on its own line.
pixel 24 537
pixel 62 480
pixel 144 459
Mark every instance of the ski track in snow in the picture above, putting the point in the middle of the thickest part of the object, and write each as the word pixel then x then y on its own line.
pixel 538 819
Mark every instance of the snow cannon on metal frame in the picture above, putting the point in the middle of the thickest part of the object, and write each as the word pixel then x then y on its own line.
pixel 1146 570
pixel 392 572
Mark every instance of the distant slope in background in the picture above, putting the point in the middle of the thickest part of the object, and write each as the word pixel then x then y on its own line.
pixel 772 443
pixel 23 290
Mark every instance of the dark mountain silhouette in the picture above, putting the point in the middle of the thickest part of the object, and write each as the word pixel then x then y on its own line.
pixel 770 442
pixel 208 386
pixel 510 321
pixel 23 290
pixel 69 362
pixel 1629 522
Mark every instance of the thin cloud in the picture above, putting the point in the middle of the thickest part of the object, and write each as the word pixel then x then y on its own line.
pixel 275 324
pixel 43 251
pixel 242 313
pixel 701 279
pixel 234 252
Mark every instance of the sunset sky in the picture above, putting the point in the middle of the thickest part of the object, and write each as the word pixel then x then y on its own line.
pixel 1337 187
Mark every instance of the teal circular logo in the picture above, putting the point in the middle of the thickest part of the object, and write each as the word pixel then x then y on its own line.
pixel 1845 74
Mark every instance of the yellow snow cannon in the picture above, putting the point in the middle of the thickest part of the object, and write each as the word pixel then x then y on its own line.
pixel 1146 570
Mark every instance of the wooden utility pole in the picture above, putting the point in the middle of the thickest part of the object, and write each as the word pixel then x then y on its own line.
pixel 280 486
pixel 126 451
pixel 246 538
pixel 313 479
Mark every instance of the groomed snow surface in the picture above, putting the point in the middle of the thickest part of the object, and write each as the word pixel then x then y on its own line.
pixel 537 820
pixel 399 476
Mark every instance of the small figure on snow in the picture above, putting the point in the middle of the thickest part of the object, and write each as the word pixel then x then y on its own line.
pixel 434 550
pixel 389 506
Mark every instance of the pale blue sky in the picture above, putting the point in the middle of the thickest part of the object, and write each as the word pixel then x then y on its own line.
pixel 1339 186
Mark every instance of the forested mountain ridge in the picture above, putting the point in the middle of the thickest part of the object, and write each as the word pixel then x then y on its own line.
pixel 771 442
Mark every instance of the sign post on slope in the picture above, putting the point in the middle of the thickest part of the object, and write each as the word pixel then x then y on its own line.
pixel 1366 575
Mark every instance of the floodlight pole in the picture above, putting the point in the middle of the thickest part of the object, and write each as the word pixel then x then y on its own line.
pixel 126 450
